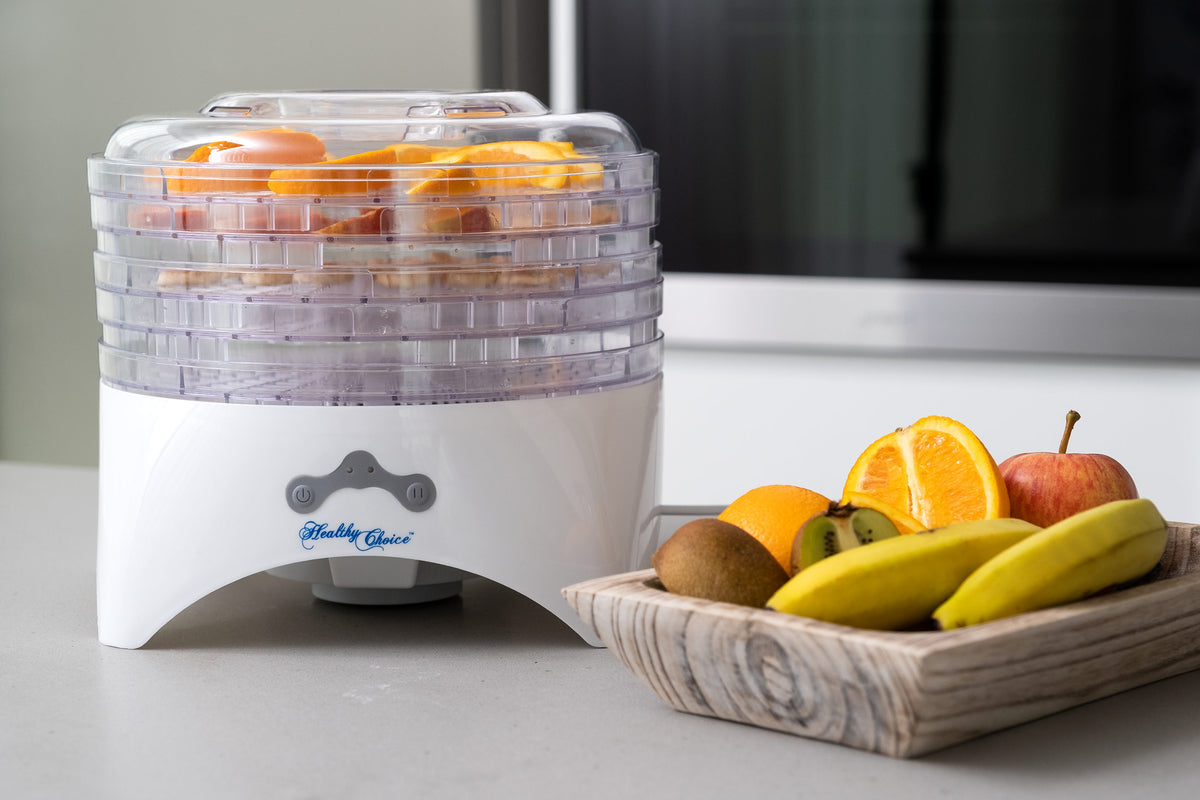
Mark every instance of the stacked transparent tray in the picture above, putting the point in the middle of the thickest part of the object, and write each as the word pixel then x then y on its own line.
pixel 367 283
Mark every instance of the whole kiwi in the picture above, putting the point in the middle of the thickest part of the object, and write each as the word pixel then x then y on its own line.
pixel 716 560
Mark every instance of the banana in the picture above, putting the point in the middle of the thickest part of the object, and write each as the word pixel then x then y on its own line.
pixel 896 583
pixel 1069 560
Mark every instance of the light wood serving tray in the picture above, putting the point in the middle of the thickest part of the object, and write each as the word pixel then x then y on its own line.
pixel 902 694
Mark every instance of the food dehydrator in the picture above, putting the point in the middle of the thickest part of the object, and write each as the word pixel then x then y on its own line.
pixel 380 342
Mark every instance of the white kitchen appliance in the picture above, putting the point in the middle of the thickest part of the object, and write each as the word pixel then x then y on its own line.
pixel 427 352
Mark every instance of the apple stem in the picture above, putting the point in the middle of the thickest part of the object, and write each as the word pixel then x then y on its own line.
pixel 1072 418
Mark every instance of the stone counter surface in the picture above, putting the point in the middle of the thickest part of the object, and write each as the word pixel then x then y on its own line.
pixel 262 691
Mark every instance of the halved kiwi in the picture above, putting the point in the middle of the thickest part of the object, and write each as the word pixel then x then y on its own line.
pixel 840 528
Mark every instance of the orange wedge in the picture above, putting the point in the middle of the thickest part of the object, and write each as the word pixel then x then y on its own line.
pixel 543 176
pixel 935 471
pixel 774 515
pixel 409 153
pixel 204 152
pixel 190 180
pixel 450 219
pixel 451 180
pixel 331 180
pixel 271 146
pixel 369 223
pixel 497 167
pixel 903 521
pixel 582 175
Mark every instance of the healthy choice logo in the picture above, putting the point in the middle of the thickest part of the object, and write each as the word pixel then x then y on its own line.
pixel 363 539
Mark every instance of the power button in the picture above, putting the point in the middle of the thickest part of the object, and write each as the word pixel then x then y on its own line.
pixel 302 494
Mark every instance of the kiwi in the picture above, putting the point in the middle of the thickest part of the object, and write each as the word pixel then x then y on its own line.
pixel 716 560
pixel 840 528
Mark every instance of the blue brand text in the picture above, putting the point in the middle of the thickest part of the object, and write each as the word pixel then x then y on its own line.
pixel 364 540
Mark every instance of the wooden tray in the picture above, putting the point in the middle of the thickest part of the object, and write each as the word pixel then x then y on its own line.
pixel 900 694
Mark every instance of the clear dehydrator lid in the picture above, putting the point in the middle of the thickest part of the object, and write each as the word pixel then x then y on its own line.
pixel 353 122
pixel 333 131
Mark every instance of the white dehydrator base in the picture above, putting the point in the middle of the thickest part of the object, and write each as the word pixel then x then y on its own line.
pixel 533 494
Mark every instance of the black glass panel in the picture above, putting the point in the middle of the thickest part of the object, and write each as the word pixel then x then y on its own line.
pixel 1045 140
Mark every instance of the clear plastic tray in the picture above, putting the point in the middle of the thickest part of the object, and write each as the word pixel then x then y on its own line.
pixel 402 318
pixel 458 382
pixel 382 352
pixel 273 250
pixel 473 217
pixel 427 280
pixel 174 178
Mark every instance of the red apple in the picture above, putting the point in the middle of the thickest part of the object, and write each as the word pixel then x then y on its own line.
pixel 1044 488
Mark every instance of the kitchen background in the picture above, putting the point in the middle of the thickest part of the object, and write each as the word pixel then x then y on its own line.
pixel 872 210
pixel 71 71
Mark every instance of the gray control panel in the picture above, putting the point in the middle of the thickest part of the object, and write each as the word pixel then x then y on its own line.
pixel 360 470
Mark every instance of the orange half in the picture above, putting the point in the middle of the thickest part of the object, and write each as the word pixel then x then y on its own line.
pixel 935 471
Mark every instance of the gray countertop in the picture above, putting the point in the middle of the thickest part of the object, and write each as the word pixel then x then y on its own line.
pixel 260 690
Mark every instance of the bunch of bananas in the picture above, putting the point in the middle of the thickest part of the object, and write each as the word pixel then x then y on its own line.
pixel 971 572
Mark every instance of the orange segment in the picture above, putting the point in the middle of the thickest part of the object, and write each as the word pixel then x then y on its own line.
pixel 774 515
pixel 409 153
pixel 204 152
pixel 586 175
pixel 333 181
pixel 444 182
pixel 329 181
pixel 496 167
pixel 271 146
pixel 543 176
pixel 903 521
pixel 583 175
pixel 936 471
pixel 451 219
pixel 565 149
pixel 194 180
pixel 369 223
pixel 489 168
